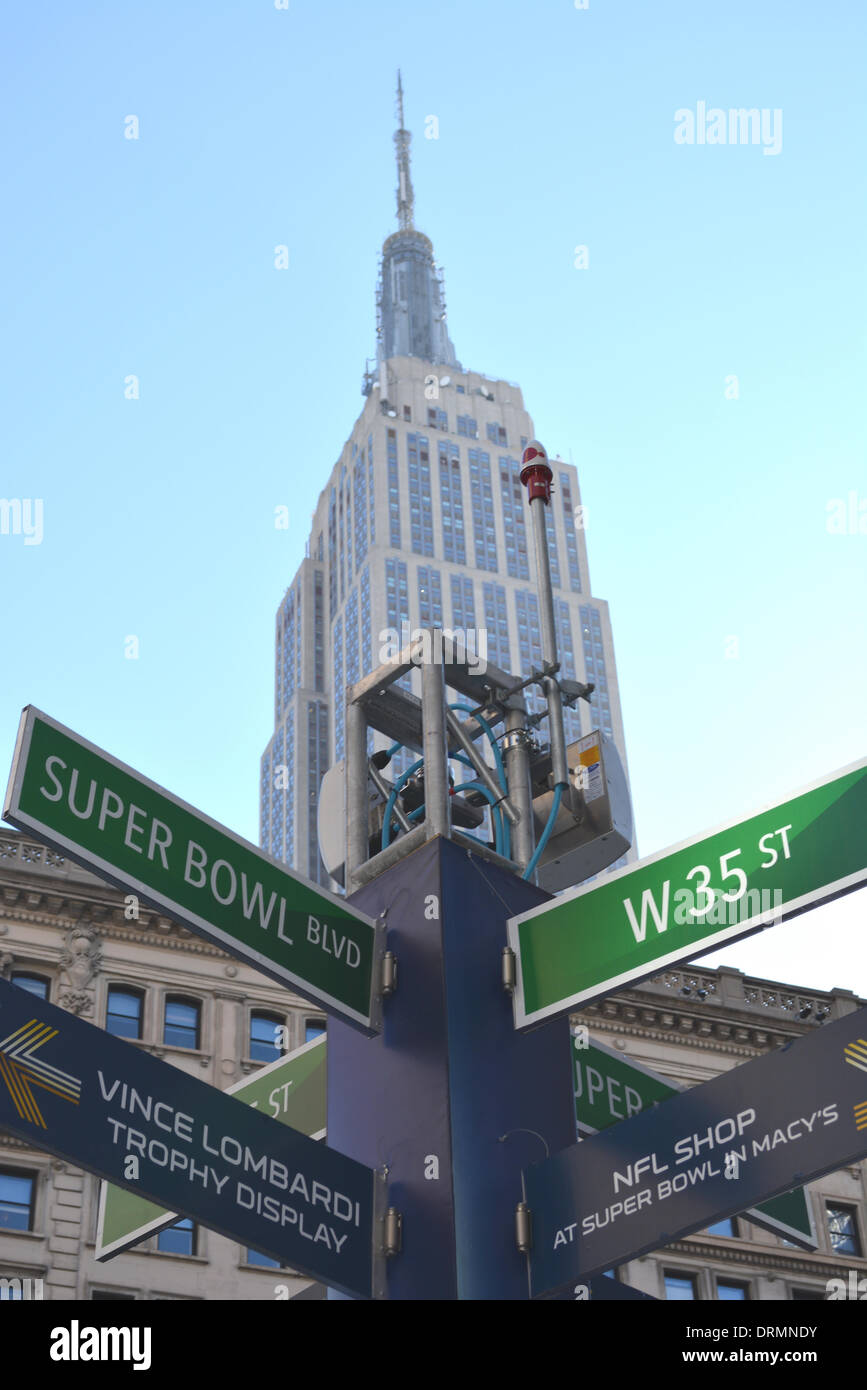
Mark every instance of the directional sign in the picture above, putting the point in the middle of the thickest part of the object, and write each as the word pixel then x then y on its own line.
pixel 708 1153
pixel 107 817
pixel 99 1102
pixel 291 1090
pixel 610 1087
pixel 688 900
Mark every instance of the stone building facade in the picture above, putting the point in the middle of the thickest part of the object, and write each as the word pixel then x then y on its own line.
pixel 64 929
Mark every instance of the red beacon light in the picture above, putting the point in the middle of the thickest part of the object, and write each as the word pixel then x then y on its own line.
pixel 535 473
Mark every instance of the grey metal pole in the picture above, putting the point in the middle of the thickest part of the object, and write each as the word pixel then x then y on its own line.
pixel 518 777
pixel 356 793
pixel 384 790
pixel 436 784
pixel 478 762
pixel 392 854
pixel 539 491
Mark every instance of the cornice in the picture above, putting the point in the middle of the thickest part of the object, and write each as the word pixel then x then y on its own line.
pixel 657 1024
pixel 787 1262
pixel 151 929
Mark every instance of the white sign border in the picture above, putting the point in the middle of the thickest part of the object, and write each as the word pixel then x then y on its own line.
pixel 103 1252
pixel 756 923
pixel 153 898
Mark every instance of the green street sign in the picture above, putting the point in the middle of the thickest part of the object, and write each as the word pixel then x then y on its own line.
pixel 610 1087
pixel 291 1090
pixel 688 900
pixel 107 817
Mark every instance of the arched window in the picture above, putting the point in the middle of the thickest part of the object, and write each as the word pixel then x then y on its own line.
pixel 17 1190
pixel 123 1012
pixel 34 984
pixel 181 1026
pixel 264 1035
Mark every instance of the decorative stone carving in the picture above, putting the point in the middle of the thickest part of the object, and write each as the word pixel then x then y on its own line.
pixel 80 962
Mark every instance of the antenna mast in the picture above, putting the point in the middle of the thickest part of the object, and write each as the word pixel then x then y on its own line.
pixel 402 140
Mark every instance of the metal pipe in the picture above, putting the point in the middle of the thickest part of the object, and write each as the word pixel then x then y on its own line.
pixel 478 762
pixel 518 777
pixel 384 789
pixel 397 850
pixel 356 793
pixel 436 785
pixel 479 847
pixel 548 634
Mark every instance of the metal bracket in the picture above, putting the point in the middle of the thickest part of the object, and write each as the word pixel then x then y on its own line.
pixel 388 976
pixel 509 972
pixel 523 1228
pixel 392 1233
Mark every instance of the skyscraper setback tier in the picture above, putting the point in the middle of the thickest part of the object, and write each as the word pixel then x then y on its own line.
pixel 422 523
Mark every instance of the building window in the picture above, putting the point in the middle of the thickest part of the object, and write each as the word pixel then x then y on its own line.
pixel 728 1290
pixel 123 1013
pixel 179 1239
pixel 255 1257
pixel 263 1037
pixel 570 521
pixel 482 499
pixel 182 1022
pixel 843 1230
pixel 407 413
pixel 34 984
pixel 722 1228
pixel 679 1286
pixel 313 1028
pixel 17 1191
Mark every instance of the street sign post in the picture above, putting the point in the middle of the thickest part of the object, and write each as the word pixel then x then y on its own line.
pixel 97 1101
pixel 689 899
pixel 133 833
pixel 705 1154
pixel 291 1090
pixel 610 1087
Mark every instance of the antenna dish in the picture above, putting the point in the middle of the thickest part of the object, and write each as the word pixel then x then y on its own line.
pixel 445 381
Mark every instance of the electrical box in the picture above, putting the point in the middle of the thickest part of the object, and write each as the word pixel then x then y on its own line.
pixel 594 823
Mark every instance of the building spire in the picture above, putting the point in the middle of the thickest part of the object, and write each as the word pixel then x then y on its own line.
pixel 402 139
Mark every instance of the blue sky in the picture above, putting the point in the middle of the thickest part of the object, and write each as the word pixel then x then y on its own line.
pixel 739 619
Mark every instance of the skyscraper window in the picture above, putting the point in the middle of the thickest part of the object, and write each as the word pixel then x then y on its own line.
pixel 484 531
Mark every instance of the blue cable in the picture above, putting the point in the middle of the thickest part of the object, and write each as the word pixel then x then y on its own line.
pixel 502 829
pixel 498 757
pixel 501 771
pixel 389 805
pixel 497 817
pixel 543 838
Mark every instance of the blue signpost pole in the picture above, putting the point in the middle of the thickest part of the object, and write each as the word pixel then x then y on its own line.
pixel 449 1098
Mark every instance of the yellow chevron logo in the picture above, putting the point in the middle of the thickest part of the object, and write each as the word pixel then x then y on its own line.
pixel 860 1112
pixel 22 1070
pixel 855 1054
